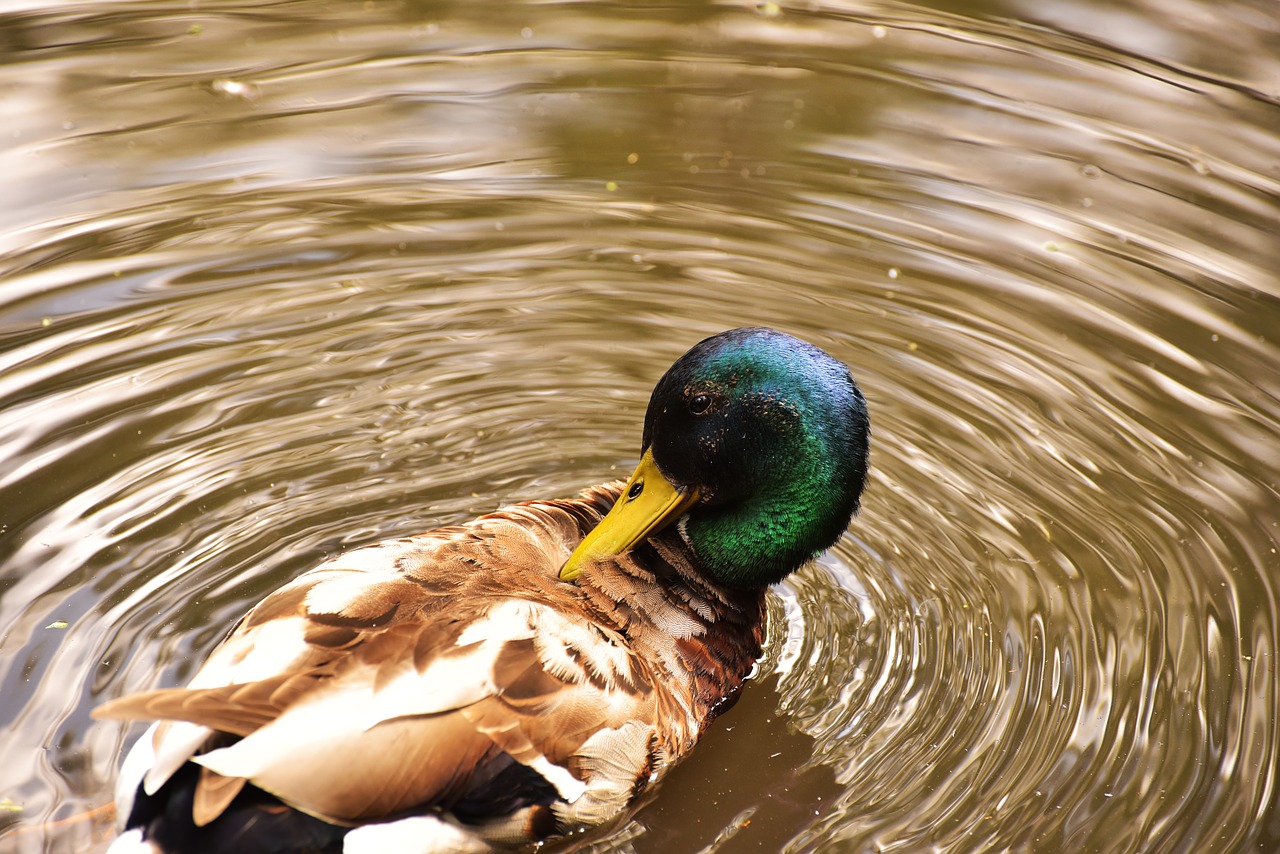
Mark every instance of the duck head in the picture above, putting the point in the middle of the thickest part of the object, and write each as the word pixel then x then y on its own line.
pixel 756 443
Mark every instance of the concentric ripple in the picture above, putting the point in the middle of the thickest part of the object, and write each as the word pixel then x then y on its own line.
pixel 284 278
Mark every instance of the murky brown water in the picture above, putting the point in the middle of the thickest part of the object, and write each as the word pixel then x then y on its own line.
pixel 282 278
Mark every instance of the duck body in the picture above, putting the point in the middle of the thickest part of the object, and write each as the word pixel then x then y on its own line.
pixel 517 678
pixel 516 705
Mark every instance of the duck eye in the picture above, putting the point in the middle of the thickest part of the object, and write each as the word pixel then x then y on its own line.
pixel 699 404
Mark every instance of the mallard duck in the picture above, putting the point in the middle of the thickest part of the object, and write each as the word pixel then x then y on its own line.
pixel 528 674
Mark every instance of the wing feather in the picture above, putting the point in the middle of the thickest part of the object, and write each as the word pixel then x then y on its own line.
pixel 214 793
pixel 409 673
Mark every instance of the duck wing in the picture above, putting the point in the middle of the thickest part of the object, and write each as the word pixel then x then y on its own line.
pixel 415 673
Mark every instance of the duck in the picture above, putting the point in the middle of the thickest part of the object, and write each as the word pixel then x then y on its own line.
pixel 529 675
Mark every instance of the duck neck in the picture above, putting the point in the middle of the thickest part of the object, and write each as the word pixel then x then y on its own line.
pixel 758 541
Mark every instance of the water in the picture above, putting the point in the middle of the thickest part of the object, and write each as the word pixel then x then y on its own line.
pixel 284 278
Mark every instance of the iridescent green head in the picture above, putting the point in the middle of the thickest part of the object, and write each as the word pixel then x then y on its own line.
pixel 758 443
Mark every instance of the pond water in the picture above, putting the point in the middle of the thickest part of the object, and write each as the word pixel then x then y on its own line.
pixel 282 278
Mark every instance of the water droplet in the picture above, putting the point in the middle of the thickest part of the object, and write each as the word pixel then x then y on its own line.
pixel 234 89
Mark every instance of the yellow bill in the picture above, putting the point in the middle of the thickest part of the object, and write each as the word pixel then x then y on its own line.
pixel 648 503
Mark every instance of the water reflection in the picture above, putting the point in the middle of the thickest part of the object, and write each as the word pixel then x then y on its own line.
pixel 281 280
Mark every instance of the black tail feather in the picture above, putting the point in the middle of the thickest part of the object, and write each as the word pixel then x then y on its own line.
pixel 254 823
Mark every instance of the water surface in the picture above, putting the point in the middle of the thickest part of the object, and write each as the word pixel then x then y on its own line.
pixel 280 279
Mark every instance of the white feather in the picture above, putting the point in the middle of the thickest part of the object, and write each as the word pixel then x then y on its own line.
pixel 261 653
pixel 133 843
pixel 569 786
pixel 140 759
pixel 417 835
pixel 296 738
pixel 346 586
pixel 169 744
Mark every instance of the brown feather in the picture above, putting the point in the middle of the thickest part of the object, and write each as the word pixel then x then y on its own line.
pixel 214 793
pixel 385 680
